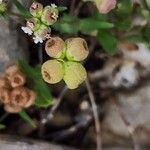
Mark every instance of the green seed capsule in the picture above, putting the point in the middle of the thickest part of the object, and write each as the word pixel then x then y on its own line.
pixel 52 71
pixel 49 15
pixel 43 32
pixel 76 49
pixel 36 9
pixel 74 75
pixel 55 47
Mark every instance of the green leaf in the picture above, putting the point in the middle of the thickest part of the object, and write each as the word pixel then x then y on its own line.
pixel 23 11
pixel 2 126
pixel 35 82
pixel 91 24
pixel 108 42
pixel 27 118
pixel 61 8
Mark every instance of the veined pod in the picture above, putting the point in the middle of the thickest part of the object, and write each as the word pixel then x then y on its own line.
pixel 36 9
pixel 55 47
pixel 52 71
pixel 49 15
pixel 74 75
pixel 76 49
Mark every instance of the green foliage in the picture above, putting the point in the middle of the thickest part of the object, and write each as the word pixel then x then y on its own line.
pixel 2 126
pixel 108 42
pixel 27 118
pixel 35 82
pixel 23 11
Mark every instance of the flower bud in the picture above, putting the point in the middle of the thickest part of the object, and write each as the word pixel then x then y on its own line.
pixel 76 49
pixel 52 71
pixel 49 15
pixel 43 32
pixel 36 9
pixel 17 79
pixel 74 75
pixel 33 24
pixel 10 108
pixel 3 8
pixel 55 47
pixel 105 6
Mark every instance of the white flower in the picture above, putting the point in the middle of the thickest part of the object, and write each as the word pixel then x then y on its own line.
pixel 53 5
pixel 27 30
pixel 37 39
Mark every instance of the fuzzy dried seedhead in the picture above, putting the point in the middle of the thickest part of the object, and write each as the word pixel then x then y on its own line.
pixel 4 83
pixel 4 95
pixel 12 69
pixel 17 79
pixel 54 47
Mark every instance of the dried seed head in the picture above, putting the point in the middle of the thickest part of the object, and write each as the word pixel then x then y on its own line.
pixel 17 79
pixel 12 109
pixel 11 70
pixel 77 49
pixel 55 47
pixel 43 32
pixel 52 71
pixel 19 96
pixel 5 95
pixel 49 15
pixel 36 9
pixel 74 75
pixel 4 83
pixel 31 98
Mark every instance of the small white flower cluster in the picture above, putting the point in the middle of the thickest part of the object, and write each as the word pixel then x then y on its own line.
pixel 40 29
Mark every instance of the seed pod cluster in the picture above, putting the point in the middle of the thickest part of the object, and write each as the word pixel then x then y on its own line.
pixel 42 18
pixel 66 61
pixel 13 93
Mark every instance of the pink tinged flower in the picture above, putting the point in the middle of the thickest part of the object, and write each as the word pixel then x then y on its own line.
pixel 105 6
pixel 37 39
pixel 27 30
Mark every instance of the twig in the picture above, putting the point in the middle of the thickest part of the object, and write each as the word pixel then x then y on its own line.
pixel 95 114
pixel 130 128
pixel 50 114
pixel 72 7
pixel 40 50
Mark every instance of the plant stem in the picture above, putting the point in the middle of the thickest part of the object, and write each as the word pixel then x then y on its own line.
pixel 95 114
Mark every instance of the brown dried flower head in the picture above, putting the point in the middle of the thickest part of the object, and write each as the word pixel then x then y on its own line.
pixel 11 70
pixel 5 95
pixel 17 79
pixel 4 83
pixel 22 97
pixel 55 47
